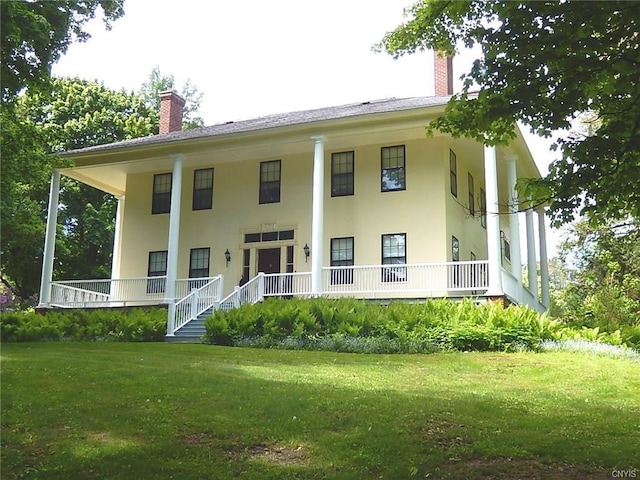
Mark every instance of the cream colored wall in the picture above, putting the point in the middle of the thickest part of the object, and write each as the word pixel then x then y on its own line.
pixel 466 228
pixel 418 211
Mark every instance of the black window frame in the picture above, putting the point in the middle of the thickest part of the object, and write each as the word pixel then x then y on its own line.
pixel 157 285
pixel 202 196
pixel 201 270
pixel 342 183
pixel 402 168
pixel 394 274
pixel 342 276
pixel 472 194
pixel 161 200
pixel 270 190
pixel 483 208
pixel 455 257
pixel 453 173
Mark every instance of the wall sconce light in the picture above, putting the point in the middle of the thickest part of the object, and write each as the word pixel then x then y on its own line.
pixel 306 252
pixel 227 256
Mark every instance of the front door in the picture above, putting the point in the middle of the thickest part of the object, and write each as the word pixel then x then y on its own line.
pixel 269 262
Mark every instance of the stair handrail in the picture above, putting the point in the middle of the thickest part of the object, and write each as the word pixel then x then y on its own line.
pixel 250 292
pixel 199 300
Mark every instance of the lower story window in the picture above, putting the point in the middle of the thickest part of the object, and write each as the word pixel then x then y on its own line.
pixel 394 252
pixel 199 263
pixel 342 256
pixel 157 268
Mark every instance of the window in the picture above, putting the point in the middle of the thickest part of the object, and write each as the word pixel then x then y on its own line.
pixel 157 268
pixel 472 194
pixel 268 236
pixel 341 174
pixel 455 249
pixel 246 258
pixel 393 169
pixel 203 189
pixel 161 193
pixel 455 257
pixel 199 263
pixel 341 256
pixel 453 173
pixel 394 252
pixel 483 208
pixel 506 247
pixel 270 182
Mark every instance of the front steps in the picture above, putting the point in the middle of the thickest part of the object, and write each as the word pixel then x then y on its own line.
pixel 192 331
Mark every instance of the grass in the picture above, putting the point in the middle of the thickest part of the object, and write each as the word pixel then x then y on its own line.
pixel 121 411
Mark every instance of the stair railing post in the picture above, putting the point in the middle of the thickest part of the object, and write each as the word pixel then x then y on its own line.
pixel 236 297
pixel 194 303
pixel 260 286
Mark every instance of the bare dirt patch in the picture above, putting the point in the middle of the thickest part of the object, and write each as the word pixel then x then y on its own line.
pixel 278 454
pixel 196 439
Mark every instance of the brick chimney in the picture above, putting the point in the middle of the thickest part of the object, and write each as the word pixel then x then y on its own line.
pixel 171 105
pixel 443 69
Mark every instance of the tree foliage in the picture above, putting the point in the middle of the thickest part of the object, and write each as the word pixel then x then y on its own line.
pixel 157 83
pixel 36 33
pixel 604 262
pixel 545 64
pixel 74 114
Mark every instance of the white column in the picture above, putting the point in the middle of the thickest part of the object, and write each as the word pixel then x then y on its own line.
pixel 317 217
pixel 117 240
pixel 544 262
pixel 531 254
pixel 173 243
pixel 50 241
pixel 514 226
pixel 493 222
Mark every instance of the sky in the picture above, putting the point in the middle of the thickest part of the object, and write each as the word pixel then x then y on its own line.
pixel 252 57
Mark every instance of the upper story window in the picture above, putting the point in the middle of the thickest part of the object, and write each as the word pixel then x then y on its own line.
pixel 342 174
pixel 341 256
pixel 483 208
pixel 203 189
pixel 199 263
pixel 161 202
pixel 393 176
pixel 269 182
pixel 472 194
pixel 394 252
pixel 453 173
pixel 157 268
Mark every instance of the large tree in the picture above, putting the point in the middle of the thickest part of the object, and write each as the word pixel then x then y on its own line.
pixel 74 114
pixel 36 33
pixel 546 64
pixel 157 83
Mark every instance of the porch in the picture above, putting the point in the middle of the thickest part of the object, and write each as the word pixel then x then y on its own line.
pixel 198 297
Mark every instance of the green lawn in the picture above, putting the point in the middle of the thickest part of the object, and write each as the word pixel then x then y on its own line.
pixel 132 411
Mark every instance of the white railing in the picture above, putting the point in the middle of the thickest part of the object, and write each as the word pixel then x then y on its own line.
pixel 206 294
pixel 287 284
pixel 118 292
pixel 425 279
pixel 250 292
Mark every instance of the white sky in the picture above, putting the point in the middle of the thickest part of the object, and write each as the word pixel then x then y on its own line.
pixel 252 57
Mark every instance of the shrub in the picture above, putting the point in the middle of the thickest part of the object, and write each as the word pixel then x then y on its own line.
pixel 134 325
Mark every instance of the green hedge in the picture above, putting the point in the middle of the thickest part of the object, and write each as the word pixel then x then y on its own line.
pixel 399 326
pixel 119 325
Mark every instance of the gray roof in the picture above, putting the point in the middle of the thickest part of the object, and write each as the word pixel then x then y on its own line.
pixel 386 105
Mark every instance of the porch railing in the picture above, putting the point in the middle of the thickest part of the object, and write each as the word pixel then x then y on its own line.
pixel 206 294
pixel 423 279
pixel 286 284
pixel 118 292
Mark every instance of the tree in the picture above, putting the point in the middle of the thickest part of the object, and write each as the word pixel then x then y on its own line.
pixel 545 64
pixel 604 261
pixel 36 33
pixel 75 114
pixel 158 83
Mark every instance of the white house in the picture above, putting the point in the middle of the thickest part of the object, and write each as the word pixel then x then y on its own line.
pixel 350 200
